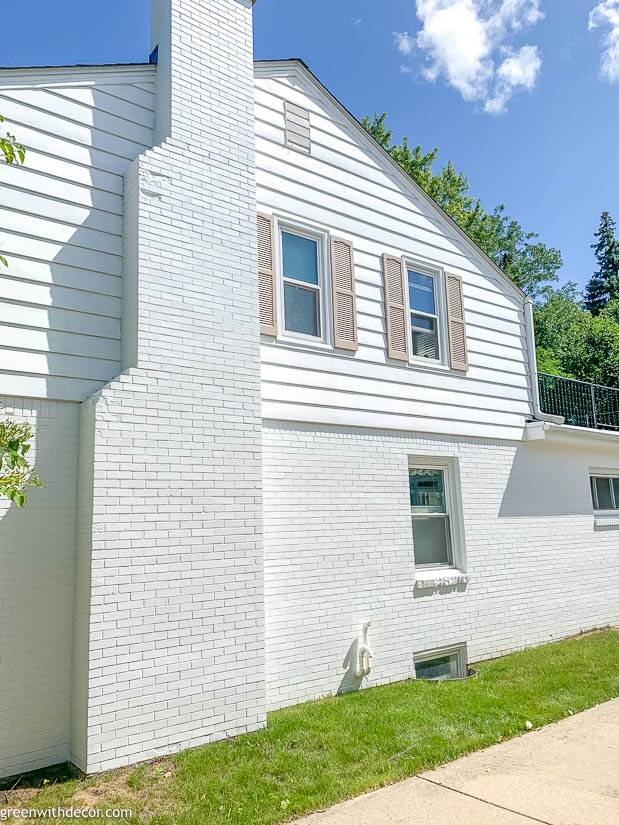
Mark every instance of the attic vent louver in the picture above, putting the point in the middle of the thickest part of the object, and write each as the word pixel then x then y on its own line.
pixel 297 127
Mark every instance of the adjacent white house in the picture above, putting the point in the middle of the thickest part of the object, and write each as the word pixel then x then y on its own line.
pixel 287 413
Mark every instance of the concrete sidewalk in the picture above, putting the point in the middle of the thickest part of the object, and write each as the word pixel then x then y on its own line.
pixel 563 774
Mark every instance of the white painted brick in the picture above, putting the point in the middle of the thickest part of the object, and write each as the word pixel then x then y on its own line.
pixel 339 550
pixel 171 450
pixel 36 587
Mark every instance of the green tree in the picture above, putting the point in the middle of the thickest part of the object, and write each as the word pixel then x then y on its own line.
pixel 12 153
pixel 527 261
pixel 559 323
pixel 17 476
pixel 603 285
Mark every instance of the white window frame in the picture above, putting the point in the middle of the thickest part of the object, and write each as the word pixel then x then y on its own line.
pixel 323 239
pixel 596 472
pixel 458 651
pixel 453 506
pixel 438 275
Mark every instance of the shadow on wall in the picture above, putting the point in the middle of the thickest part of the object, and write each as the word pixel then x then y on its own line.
pixel 64 241
pixel 547 480
pixel 351 682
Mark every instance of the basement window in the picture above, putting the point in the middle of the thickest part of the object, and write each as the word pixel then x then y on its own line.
pixel 441 665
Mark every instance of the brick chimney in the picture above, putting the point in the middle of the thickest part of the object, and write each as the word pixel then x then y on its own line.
pixel 168 633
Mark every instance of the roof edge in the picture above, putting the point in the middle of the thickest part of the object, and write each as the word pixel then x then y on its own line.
pixel 20 76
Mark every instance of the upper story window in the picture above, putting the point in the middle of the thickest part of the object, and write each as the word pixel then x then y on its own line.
pixel 605 492
pixel 303 285
pixel 424 307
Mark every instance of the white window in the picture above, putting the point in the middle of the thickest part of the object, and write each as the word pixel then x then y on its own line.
pixel 605 493
pixel 438 665
pixel 425 304
pixel 303 302
pixel 436 515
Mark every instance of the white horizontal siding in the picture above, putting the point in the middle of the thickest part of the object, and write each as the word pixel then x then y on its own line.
pixel 61 225
pixel 345 187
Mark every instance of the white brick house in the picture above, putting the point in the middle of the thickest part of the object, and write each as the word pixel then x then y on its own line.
pixel 254 442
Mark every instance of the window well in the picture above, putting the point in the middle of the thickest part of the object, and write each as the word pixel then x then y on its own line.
pixel 441 665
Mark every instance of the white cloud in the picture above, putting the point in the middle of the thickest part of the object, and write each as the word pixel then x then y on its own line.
pixel 404 43
pixel 606 16
pixel 469 44
pixel 356 21
pixel 519 70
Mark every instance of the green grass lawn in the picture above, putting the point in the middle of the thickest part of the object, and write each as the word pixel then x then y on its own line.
pixel 315 754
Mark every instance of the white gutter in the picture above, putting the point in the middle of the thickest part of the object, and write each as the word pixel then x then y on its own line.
pixel 531 351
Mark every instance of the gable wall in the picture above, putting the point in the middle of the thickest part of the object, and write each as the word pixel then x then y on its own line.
pixel 61 225
pixel 347 189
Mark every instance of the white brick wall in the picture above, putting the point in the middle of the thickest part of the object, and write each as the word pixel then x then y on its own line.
pixel 338 551
pixel 169 645
pixel 36 584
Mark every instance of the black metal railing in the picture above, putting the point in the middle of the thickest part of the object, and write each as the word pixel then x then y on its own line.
pixel 580 403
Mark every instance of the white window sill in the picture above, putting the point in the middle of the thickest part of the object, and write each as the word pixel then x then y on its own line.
pixel 440 577
pixel 300 343
pixel 602 521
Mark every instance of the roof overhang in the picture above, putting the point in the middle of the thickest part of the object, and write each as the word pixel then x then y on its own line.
pixel 564 434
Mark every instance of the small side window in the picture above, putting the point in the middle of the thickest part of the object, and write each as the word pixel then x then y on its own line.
pixel 443 664
pixel 605 492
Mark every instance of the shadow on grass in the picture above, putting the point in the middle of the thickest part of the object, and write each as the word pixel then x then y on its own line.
pixel 39 779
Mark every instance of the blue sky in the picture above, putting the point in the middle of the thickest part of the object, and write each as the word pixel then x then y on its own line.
pixel 551 155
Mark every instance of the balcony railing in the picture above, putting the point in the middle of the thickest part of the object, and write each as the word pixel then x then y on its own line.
pixel 581 404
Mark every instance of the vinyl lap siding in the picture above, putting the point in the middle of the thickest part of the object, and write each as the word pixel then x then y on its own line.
pixel 61 226
pixel 346 189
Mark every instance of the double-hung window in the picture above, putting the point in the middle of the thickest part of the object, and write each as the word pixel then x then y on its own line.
pixel 430 511
pixel 605 493
pixel 424 307
pixel 302 284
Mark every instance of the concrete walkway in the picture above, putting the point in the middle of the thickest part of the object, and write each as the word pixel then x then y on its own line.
pixel 563 774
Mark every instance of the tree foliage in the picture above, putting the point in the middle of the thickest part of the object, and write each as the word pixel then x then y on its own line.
pixel 12 153
pixel 532 265
pixel 603 285
pixel 575 339
pixel 17 476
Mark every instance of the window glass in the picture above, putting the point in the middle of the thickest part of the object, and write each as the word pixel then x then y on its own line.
pixel 425 337
pixel 301 311
pixel 444 667
pixel 300 258
pixel 427 490
pixel 421 292
pixel 616 492
pixel 604 494
pixel 431 541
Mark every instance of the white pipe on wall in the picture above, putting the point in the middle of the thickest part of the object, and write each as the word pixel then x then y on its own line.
pixel 531 349
pixel 364 654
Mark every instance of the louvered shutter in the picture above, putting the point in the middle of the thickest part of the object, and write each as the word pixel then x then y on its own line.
pixel 395 307
pixel 343 288
pixel 266 276
pixel 458 353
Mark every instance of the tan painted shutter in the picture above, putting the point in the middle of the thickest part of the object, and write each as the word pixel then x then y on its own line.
pixel 266 276
pixel 395 307
pixel 458 353
pixel 343 288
